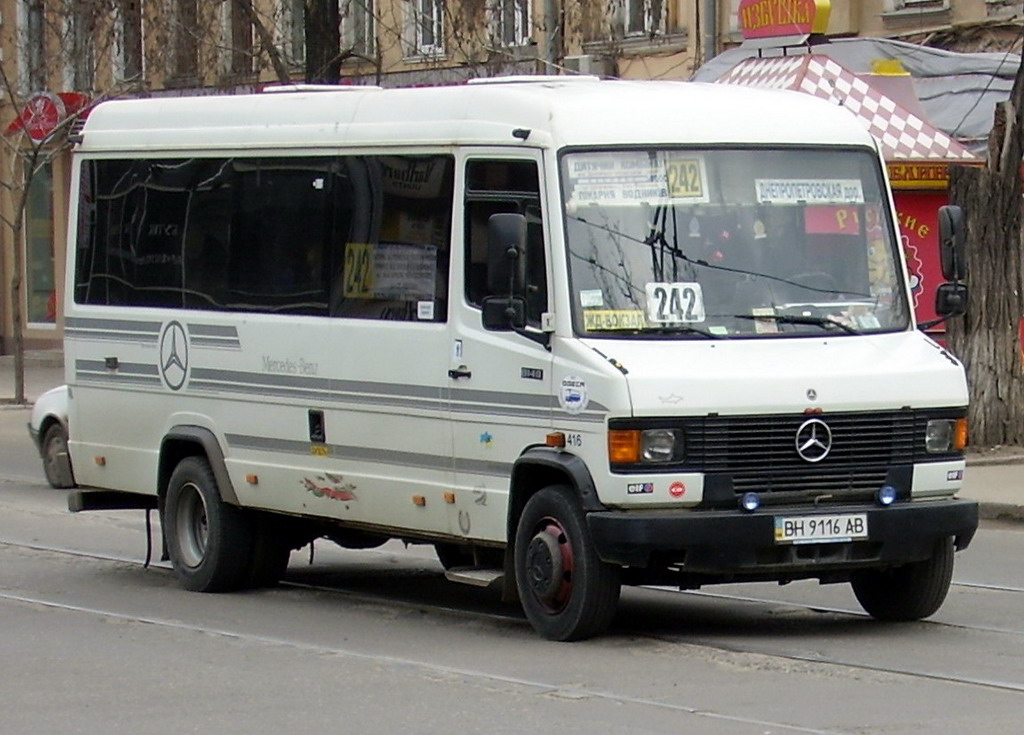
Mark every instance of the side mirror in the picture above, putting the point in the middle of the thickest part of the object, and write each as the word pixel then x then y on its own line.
pixel 504 314
pixel 951 299
pixel 506 254
pixel 952 243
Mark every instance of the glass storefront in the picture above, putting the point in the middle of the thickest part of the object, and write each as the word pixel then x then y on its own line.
pixel 39 250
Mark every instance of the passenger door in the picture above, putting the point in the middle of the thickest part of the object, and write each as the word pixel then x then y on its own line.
pixel 500 380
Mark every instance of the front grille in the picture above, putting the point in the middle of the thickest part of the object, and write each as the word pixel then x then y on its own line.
pixel 739 454
pixel 759 452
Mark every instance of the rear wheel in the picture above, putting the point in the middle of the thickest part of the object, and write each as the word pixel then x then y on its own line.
pixel 909 592
pixel 210 543
pixel 567 592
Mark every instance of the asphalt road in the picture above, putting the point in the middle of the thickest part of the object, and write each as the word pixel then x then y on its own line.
pixel 378 642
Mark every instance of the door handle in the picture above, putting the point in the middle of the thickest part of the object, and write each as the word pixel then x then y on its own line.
pixel 460 372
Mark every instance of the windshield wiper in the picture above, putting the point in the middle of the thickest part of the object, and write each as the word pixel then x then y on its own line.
pixel 679 329
pixel 825 322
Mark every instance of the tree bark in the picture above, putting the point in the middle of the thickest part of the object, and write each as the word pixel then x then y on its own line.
pixel 987 339
pixel 323 42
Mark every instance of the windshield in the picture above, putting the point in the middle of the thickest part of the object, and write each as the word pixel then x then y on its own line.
pixel 730 243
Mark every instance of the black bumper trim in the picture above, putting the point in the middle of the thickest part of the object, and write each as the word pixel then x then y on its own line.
pixel 733 541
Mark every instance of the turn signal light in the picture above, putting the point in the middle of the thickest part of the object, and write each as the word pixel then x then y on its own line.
pixel 623 446
pixel 960 435
pixel 555 439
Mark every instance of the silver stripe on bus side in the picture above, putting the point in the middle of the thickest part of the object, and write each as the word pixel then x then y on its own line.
pixel 373 455
pixel 127 373
pixel 214 336
pixel 111 329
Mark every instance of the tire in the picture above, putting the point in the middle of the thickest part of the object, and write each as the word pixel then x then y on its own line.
pixel 909 592
pixel 56 460
pixel 271 550
pixel 566 591
pixel 209 542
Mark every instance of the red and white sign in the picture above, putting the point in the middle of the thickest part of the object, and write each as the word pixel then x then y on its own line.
pixel 45 111
pixel 677 489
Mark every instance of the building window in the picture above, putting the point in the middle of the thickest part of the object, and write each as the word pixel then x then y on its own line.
pixel 128 58
pixel 358 30
pixel 33 45
pixel 80 30
pixel 238 37
pixel 510 22
pixel 186 40
pixel 41 292
pixel 292 30
pixel 644 17
pixel 424 27
pixel 924 6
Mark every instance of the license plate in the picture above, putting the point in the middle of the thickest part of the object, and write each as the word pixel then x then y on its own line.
pixel 821 529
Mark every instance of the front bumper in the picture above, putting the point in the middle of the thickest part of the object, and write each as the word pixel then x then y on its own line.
pixel 736 542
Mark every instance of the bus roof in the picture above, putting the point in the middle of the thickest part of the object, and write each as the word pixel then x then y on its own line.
pixel 540 112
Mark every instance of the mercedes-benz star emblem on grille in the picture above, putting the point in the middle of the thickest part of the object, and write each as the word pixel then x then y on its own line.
pixel 174 355
pixel 813 440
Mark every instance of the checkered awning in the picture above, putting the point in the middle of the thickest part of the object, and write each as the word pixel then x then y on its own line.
pixel 902 134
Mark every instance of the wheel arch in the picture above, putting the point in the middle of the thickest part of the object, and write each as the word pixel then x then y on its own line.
pixel 190 441
pixel 541 466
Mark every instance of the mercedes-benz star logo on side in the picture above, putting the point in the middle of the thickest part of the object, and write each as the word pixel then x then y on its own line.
pixel 813 440
pixel 174 355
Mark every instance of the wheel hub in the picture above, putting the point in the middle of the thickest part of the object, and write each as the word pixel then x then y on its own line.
pixel 549 565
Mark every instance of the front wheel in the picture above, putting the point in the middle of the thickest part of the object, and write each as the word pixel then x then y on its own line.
pixel 909 592
pixel 210 543
pixel 567 592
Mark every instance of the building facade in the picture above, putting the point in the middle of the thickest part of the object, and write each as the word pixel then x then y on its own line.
pixel 59 56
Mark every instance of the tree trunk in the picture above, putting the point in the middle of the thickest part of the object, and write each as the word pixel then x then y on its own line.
pixel 17 317
pixel 987 338
pixel 323 42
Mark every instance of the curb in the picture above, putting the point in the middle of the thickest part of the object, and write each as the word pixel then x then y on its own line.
pixel 987 460
pixel 1000 512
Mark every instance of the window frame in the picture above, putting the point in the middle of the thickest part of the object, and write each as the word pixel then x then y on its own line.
pixel 415 23
pixel 521 14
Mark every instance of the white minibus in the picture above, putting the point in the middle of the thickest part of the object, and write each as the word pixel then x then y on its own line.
pixel 575 333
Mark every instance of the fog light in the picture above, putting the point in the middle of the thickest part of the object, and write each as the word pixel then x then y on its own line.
pixel 886 495
pixel 750 502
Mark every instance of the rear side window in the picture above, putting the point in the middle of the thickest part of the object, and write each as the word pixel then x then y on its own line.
pixel 356 236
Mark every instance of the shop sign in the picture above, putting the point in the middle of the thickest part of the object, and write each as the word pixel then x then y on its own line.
pixel 785 20
pixel 930 175
pixel 919 225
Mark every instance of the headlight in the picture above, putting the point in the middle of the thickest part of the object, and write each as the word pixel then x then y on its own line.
pixel 945 435
pixel 661 445
pixel 645 446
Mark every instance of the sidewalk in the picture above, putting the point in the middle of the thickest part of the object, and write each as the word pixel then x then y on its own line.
pixel 995 478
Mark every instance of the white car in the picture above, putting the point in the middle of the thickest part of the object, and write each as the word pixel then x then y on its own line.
pixel 48 428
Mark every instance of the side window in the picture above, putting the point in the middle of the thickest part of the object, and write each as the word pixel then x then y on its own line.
pixel 503 186
pixel 210 233
pixel 363 237
pixel 394 252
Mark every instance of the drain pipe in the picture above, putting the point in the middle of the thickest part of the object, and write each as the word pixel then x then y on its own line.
pixel 554 35
pixel 710 14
